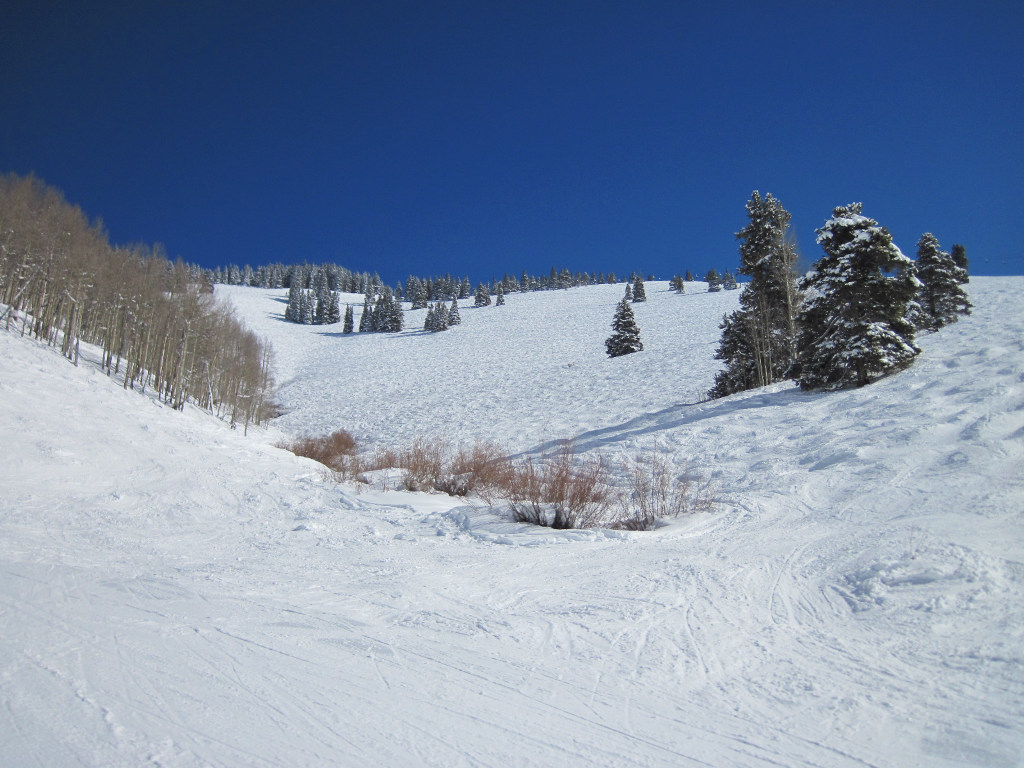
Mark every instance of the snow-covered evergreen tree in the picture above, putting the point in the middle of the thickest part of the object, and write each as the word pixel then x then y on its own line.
pixel 729 281
pixel 759 339
pixel 454 318
pixel 387 313
pixel 349 324
pixel 416 293
pixel 628 296
pixel 333 308
pixel 639 294
pixel 366 318
pixel 482 298
pixel 678 284
pixel 307 308
pixel 941 298
pixel 713 280
pixel 853 325
pixel 501 297
pixel 292 312
pixel 625 337
pixel 960 259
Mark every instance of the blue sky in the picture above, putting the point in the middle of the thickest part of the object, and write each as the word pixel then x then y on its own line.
pixel 487 137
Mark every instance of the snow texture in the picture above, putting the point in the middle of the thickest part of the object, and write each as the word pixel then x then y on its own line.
pixel 176 593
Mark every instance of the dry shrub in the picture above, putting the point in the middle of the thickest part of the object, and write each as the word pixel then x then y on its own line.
pixel 482 468
pixel 561 492
pixel 337 451
pixel 656 492
pixel 424 463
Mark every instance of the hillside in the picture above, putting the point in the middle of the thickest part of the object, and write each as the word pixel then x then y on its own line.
pixel 176 593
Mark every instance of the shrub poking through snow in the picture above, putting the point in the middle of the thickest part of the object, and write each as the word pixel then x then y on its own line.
pixel 561 492
pixel 337 451
pixel 656 493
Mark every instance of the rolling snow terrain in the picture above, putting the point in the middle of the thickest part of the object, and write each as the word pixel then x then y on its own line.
pixel 176 593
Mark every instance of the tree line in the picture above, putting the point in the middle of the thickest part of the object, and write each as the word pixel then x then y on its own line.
pixel 850 320
pixel 155 321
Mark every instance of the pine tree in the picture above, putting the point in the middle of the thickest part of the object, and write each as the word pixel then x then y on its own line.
pixel 349 325
pixel 941 298
pixel 366 319
pixel 689 276
pixel 729 281
pixel 639 294
pixel 482 298
pixel 713 280
pixel 453 314
pixel 625 338
pixel 758 341
pixel 853 323
pixel 960 259
pixel 501 297
pixel 629 292
pixel 292 313
pixel 306 306
pixel 678 284
pixel 387 313
pixel 333 309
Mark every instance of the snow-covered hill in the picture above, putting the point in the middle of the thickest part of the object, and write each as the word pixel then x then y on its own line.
pixel 176 593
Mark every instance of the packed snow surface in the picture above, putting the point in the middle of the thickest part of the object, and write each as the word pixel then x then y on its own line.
pixel 176 593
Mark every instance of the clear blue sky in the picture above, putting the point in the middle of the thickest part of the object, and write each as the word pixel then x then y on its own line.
pixel 483 137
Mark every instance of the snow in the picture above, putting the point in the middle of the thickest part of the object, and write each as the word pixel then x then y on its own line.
pixel 176 593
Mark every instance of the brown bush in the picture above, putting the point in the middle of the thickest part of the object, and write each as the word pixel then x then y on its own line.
pixel 561 492
pixel 482 468
pixel 656 492
pixel 336 451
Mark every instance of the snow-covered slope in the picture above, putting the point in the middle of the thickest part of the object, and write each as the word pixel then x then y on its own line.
pixel 175 593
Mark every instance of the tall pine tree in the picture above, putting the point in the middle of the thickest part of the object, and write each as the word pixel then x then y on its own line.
pixel 941 298
pixel 625 338
pixel 759 339
pixel 853 322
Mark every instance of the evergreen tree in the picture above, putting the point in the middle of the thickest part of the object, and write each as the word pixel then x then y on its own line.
pixel 941 298
pixel 729 281
pixel 758 341
pixel 333 309
pixel 853 323
pixel 713 280
pixel 689 276
pixel 482 298
pixel 387 313
pixel 678 284
pixel 306 307
pixel 960 259
pixel 366 319
pixel 292 312
pixel 625 338
pixel 416 293
pixel 639 294
pixel 501 297
pixel 629 292
pixel 349 325
pixel 453 313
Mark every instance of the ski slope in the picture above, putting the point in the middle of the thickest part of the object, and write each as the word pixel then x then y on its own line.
pixel 176 593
